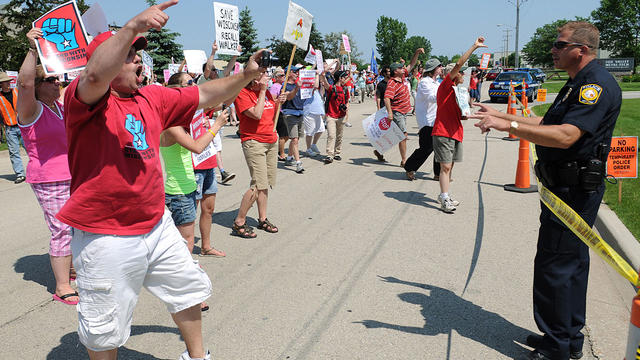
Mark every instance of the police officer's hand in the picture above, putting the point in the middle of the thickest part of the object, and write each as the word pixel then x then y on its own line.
pixel 488 122
pixel 485 109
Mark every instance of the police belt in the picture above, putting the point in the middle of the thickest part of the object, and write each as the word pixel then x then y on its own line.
pixel 585 174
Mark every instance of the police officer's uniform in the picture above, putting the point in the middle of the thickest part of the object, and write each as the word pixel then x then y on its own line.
pixel 591 101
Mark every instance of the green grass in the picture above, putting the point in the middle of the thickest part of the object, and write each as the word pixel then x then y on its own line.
pixel 554 86
pixel 3 146
pixel 628 124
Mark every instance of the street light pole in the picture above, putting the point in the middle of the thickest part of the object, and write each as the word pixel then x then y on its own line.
pixel 517 64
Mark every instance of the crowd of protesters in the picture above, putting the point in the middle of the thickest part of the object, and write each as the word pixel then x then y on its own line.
pixel 76 193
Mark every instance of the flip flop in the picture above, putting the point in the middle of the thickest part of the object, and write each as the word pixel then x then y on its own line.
pixel 63 298
pixel 210 252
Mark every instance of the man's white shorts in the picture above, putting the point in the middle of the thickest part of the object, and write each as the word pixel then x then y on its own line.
pixel 112 269
pixel 313 124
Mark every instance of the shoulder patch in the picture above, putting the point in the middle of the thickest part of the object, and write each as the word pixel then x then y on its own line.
pixel 589 94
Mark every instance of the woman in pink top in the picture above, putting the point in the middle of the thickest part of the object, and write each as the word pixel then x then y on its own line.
pixel 42 127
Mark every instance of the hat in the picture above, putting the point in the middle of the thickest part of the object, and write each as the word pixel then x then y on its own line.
pixel 450 67
pixel 139 42
pixel 292 68
pixel 4 77
pixel 431 64
pixel 395 66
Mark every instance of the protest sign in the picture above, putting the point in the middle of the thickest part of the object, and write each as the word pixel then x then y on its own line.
pixel 226 21
pixel 237 68
pixel 298 26
pixel 354 67
pixel 462 97
pixel 72 75
pixel 166 74
pixel 147 63
pixel 382 132
pixel 345 41
pixel 63 45
pixel 95 20
pixel 623 157
pixel 307 77
pixel 173 69
pixel 311 55
pixel 197 130
pixel 484 61
pixel 319 61
pixel 195 59
pixel 14 78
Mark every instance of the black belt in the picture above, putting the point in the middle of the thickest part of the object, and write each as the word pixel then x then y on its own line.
pixel 587 174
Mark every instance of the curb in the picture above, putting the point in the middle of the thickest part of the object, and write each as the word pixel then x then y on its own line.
pixel 618 236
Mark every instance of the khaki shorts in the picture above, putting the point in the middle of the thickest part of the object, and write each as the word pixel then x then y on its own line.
pixel 262 160
pixel 447 150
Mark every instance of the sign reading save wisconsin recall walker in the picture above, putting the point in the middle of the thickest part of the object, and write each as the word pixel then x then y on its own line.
pixel 63 46
pixel 227 22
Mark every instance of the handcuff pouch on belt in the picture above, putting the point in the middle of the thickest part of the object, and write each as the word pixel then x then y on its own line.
pixel 588 175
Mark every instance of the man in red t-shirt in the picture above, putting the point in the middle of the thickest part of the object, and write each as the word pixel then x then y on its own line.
pixel 447 130
pixel 397 100
pixel 123 238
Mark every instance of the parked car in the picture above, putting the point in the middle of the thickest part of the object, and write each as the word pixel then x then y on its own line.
pixel 537 74
pixel 493 73
pixel 499 88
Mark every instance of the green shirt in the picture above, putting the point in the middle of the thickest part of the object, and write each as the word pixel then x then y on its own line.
pixel 177 163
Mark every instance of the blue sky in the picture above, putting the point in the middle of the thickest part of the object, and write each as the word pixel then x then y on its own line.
pixel 450 26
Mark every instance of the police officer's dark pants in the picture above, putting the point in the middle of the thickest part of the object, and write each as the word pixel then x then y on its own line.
pixel 561 269
pixel 420 155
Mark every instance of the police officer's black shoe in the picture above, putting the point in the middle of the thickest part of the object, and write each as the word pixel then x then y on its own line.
pixel 536 340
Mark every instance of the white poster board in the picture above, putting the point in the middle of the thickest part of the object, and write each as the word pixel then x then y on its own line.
pixel 382 132
pixel 307 77
pixel 319 61
pixel 227 21
pixel 311 55
pixel 345 42
pixel 462 98
pixel 95 21
pixel 298 26
pixel 484 61
pixel 147 63
pixel 195 59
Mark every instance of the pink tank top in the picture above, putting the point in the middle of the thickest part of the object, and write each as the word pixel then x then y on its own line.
pixel 45 140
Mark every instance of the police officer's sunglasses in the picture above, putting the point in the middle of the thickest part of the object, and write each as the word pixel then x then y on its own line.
pixel 563 44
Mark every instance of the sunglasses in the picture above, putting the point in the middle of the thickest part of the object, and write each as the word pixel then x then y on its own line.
pixel 50 79
pixel 563 44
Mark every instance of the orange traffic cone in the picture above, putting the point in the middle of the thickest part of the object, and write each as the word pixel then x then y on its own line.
pixel 523 183
pixel 511 109
pixel 633 340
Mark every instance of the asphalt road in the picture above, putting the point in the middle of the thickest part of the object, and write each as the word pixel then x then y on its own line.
pixel 365 266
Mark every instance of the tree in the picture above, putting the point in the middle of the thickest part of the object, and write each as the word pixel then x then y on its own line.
pixel 619 25
pixel 16 19
pixel 444 60
pixel 162 46
pixel 474 60
pixel 390 39
pixel 538 50
pixel 416 42
pixel 248 35
pixel 332 43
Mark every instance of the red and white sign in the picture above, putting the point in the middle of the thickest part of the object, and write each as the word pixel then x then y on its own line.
pixel 14 78
pixel 484 61
pixel 382 132
pixel 197 130
pixel 307 77
pixel 311 55
pixel 63 46
pixel 623 157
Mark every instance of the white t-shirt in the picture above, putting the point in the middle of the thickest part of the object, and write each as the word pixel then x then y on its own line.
pixel 426 102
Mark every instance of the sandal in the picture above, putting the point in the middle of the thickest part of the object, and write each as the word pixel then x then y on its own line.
pixel 267 226
pixel 212 252
pixel 379 156
pixel 244 231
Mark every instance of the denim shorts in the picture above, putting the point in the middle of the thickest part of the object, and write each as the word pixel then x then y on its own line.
pixel 401 120
pixel 182 207
pixel 206 182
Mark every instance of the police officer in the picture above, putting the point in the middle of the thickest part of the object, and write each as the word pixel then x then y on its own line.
pixel 572 145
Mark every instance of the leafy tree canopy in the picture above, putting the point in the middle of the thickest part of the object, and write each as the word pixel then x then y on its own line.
pixel 619 25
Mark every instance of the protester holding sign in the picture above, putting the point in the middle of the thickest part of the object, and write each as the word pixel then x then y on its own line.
pixel 447 130
pixel 117 204
pixel 338 106
pixel 293 111
pixel 314 119
pixel 256 109
pixel 572 143
pixel 40 118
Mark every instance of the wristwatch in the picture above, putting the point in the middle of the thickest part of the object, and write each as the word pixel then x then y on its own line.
pixel 514 126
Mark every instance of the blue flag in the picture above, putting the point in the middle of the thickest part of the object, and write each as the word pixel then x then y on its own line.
pixel 374 64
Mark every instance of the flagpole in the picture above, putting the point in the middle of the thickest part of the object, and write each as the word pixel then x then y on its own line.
pixel 284 87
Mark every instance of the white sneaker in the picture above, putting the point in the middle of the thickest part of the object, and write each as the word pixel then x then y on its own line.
pixel 185 356
pixel 311 153
pixel 446 205
pixel 314 147
pixel 454 202
pixel 299 168
pixel 348 124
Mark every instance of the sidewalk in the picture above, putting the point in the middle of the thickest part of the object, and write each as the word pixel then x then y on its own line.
pixel 365 266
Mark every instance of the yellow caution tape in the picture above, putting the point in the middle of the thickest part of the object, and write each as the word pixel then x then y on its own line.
pixel 582 230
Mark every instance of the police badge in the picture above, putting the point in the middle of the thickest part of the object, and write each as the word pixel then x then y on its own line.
pixel 589 94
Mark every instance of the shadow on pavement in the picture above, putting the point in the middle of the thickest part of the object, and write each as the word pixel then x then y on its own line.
pixel 366 161
pixel 362 144
pixel 413 197
pixel 70 347
pixel 444 311
pixel 36 268
pixel 11 177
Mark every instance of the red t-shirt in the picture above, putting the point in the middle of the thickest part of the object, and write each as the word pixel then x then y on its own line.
pixel 337 95
pixel 399 95
pixel 473 83
pixel 252 129
pixel 116 176
pixel 448 115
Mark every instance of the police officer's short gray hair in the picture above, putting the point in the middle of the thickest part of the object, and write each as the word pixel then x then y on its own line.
pixel 584 33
